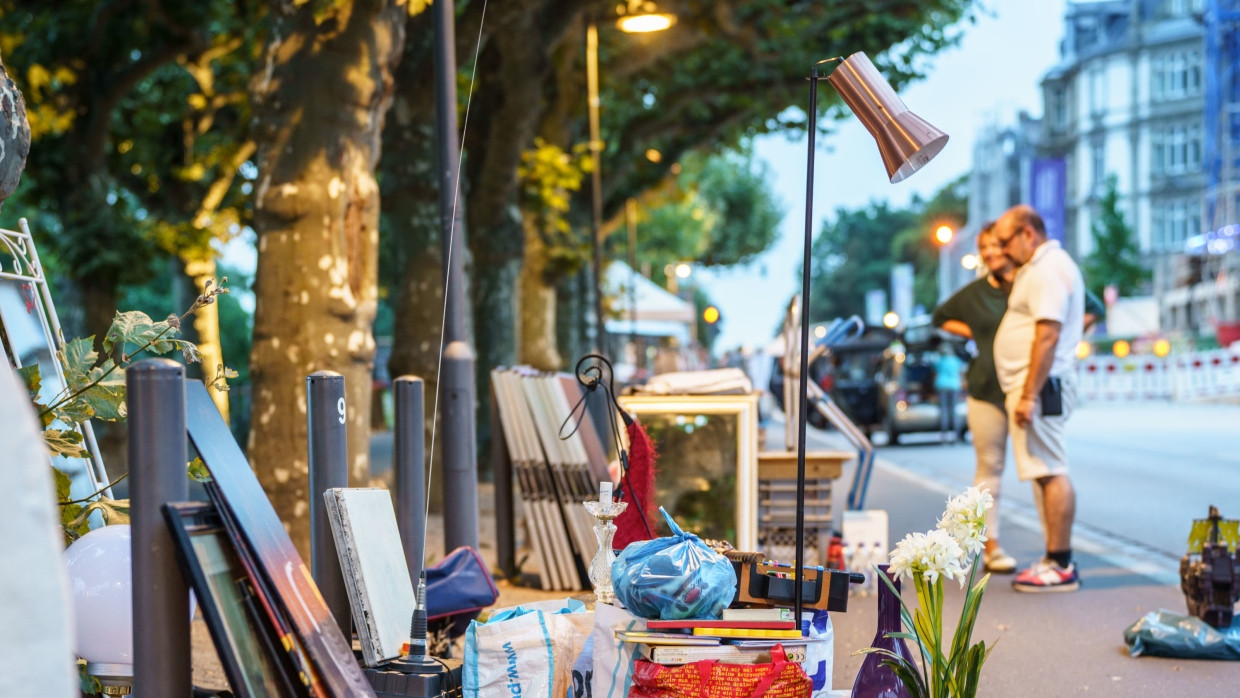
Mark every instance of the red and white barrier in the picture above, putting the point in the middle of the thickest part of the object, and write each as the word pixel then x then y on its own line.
pixel 1195 376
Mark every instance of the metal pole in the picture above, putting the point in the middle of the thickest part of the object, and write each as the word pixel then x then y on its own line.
pixel 596 186
pixel 457 392
pixel 157 457
pixel 460 456
pixel 802 395
pixel 630 218
pixel 329 467
pixel 410 470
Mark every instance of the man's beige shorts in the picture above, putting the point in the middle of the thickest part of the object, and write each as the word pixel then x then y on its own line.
pixel 1041 447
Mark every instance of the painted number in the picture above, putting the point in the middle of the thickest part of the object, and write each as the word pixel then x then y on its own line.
pixel 340 409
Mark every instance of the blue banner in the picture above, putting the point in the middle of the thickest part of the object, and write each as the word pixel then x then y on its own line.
pixel 1048 180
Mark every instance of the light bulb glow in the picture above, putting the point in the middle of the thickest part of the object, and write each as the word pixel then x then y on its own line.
pixel 645 23
pixel 969 262
pixel 1083 349
pixel 1121 349
pixel 710 315
pixel 943 234
pixel 1162 348
pixel 890 320
pixel 820 332
pixel 683 270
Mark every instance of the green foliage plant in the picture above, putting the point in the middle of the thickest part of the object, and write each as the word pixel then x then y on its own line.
pixel 1116 257
pixel 95 389
pixel 951 670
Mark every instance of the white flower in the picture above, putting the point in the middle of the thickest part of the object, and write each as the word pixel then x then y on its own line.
pixel 965 518
pixel 930 555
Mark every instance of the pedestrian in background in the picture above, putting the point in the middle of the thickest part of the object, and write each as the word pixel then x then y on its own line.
pixel 948 382
pixel 1034 360
pixel 974 312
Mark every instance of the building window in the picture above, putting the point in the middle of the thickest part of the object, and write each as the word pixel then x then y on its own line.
pixel 1173 222
pixel 1175 149
pixel 1057 106
pixel 1097 91
pixel 1175 75
pixel 1099 160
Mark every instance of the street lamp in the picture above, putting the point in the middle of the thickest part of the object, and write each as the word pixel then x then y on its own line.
pixel 943 236
pixel 636 17
pixel 906 143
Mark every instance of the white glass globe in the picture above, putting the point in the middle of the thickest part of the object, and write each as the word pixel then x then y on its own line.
pixel 101 581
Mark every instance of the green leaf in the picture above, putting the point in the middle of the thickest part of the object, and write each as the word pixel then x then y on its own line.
pixel 114 511
pixel 197 471
pixel 107 397
pixel 74 524
pixel 133 327
pixel 78 358
pixel 64 442
pixel 74 411
pixel 32 379
pixel 63 484
pixel 86 682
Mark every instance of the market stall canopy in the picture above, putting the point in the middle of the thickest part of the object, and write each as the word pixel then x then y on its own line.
pixel 640 306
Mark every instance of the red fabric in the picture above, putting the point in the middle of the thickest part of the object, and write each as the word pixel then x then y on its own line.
pixel 640 478
pixel 711 679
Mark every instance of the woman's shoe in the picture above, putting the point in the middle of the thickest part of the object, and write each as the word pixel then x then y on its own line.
pixel 999 562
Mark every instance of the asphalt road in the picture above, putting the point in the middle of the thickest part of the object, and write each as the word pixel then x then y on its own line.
pixel 1142 470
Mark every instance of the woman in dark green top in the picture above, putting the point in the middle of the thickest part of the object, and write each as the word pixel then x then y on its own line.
pixel 974 313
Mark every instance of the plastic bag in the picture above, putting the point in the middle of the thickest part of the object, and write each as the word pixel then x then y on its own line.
pixel 674 577
pixel 613 660
pixel 525 650
pixel 1166 634
pixel 820 653
pixel 710 679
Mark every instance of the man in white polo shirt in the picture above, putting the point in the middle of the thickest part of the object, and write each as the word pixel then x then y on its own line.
pixel 1034 355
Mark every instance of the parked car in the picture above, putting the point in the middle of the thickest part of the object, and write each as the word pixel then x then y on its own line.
pixel 909 401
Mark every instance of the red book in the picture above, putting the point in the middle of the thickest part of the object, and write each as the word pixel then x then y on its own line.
pixel 690 623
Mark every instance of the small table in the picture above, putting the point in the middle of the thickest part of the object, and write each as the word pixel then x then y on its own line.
pixel 777 488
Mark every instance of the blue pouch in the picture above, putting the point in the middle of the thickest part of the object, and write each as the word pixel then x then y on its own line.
pixel 674 577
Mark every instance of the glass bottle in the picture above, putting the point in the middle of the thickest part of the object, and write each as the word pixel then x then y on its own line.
pixel 875 680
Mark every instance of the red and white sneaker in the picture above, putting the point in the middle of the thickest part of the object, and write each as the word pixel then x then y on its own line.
pixel 1046 576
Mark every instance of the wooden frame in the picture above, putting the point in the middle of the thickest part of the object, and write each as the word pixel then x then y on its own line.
pixel 745 409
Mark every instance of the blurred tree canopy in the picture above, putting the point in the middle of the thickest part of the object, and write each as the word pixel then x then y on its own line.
pixel 1116 257
pixel 854 252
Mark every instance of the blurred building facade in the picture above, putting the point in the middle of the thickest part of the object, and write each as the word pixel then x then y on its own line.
pixel 1147 91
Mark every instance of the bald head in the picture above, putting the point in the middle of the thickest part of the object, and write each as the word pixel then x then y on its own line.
pixel 1022 215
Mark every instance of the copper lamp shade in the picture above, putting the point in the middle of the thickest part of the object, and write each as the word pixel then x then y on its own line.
pixel 905 141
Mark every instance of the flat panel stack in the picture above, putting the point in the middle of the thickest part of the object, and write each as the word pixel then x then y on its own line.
pixel 553 475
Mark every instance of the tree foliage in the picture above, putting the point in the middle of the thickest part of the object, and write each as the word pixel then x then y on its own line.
pixel 1116 257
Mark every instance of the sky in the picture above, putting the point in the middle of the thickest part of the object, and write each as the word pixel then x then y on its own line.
pixel 993 73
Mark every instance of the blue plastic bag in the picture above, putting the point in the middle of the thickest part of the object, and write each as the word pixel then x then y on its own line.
pixel 674 577
pixel 1165 634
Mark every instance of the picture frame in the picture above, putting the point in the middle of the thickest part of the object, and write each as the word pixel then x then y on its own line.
pixel 708 460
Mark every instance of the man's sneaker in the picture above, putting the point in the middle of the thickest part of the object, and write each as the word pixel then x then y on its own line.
pixel 999 562
pixel 1046 576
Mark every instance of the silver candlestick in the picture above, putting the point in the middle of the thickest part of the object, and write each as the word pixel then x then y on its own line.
pixel 605 510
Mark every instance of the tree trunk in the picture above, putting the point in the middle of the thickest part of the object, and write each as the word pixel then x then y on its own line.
pixel 206 325
pixel 318 120
pixel 536 340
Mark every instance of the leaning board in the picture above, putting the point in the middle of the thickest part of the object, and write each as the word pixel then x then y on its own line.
pixel 375 573
pixel 273 550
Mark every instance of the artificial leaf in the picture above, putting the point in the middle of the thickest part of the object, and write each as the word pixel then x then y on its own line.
pixel 64 442
pixel 87 683
pixel 32 379
pixel 197 471
pixel 74 411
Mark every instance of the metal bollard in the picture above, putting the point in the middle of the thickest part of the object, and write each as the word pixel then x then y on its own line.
pixel 157 458
pixel 410 470
pixel 460 448
pixel 329 467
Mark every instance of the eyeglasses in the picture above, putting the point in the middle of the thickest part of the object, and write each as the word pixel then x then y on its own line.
pixel 1004 242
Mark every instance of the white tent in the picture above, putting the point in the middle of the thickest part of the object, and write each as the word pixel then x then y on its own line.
pixel 641 307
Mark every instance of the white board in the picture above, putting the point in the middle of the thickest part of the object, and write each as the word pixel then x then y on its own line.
pixel 372 561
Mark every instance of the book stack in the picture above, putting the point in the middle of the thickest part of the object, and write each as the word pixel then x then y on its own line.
pixel 742 636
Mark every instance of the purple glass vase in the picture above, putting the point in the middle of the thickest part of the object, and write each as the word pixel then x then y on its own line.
pixel 875 680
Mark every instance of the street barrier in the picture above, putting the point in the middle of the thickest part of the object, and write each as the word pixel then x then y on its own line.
pixel 1199 375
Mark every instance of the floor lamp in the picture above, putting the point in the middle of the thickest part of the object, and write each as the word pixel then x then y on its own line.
pixel 906 143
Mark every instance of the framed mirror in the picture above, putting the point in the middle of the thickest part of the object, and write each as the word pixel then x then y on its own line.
pixel 707 471
pixel 30 335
